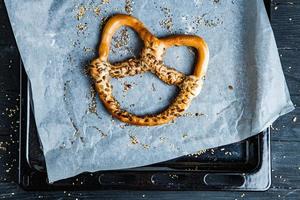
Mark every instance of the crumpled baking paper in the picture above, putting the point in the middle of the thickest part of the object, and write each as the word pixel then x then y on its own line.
pixel 244 91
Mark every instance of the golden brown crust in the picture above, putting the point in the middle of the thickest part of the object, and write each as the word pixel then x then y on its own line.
pixel 151 60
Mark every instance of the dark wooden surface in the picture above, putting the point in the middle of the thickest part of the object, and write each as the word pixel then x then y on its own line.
pixel 285 19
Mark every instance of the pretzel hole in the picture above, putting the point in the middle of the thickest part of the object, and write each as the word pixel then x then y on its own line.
pixel 125 44
pixel 147 95
pixel 181 58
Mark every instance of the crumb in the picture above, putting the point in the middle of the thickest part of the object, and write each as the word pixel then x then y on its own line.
pixel 81 12
pixel 105 1
pixel 62 146
pixel 133 139
pixel 127 86
pixel 187 114
pixel 122 126
pixel 197 154
pixel 87 49
pixel 185 135
pixel 2 147
pixel 146 146
pixel 167 24
pixel 128 6
pixel 198 114
pixel 96 10
pixel 190 114
pixel 295 119
pixel 81 27
pixel 173 176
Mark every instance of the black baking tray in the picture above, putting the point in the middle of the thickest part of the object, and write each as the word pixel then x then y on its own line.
pixel 242 166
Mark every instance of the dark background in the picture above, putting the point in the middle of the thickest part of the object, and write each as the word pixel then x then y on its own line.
pixel 285 19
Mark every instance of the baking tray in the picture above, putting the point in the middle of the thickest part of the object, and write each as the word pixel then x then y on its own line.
pixel 242 166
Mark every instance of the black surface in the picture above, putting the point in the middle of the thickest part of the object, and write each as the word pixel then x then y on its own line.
pixel 285 20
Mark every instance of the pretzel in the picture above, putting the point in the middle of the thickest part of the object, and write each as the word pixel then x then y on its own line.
pixel 151 60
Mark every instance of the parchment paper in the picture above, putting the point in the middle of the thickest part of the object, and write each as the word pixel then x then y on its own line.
pixel 244 91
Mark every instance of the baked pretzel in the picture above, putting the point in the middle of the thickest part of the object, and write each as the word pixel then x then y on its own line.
pixel 151 60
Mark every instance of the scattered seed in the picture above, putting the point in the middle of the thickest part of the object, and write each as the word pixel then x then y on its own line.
pixel 133 139
pixel 146 146
pixel 96 10
pixel 128 6
pixel 81 12
pixel 294 119
pixel 82 27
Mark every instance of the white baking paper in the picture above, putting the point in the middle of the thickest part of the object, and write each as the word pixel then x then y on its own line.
pixel 244 91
